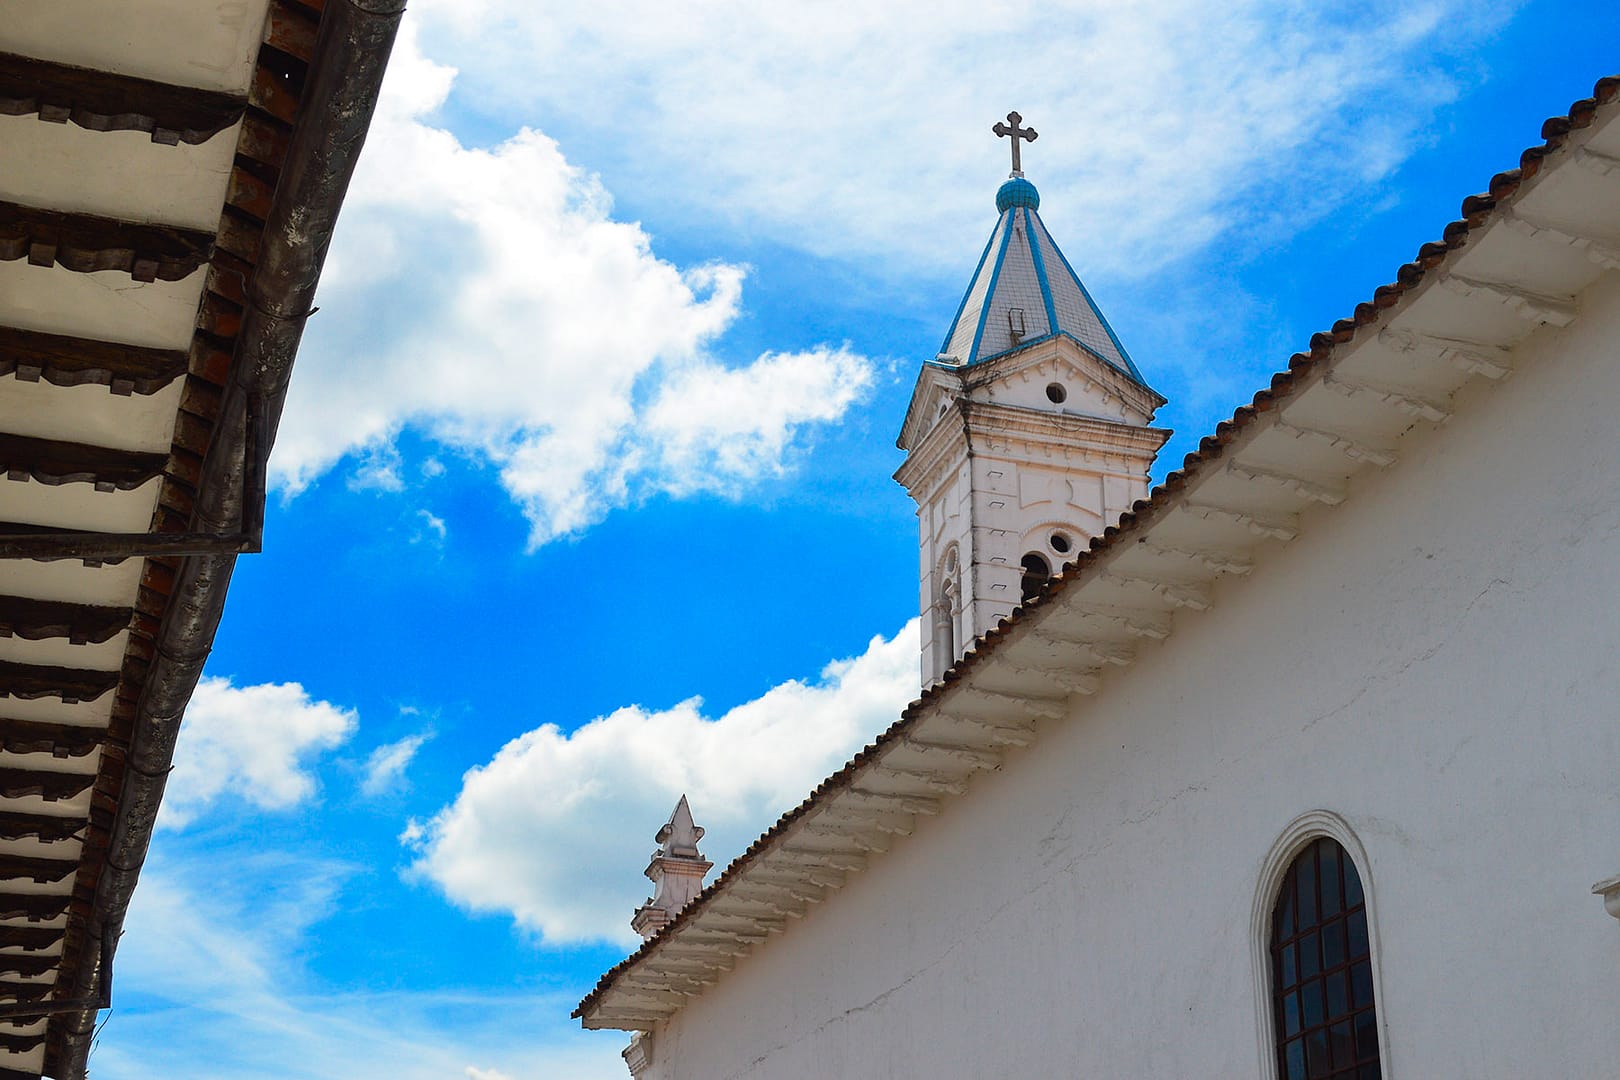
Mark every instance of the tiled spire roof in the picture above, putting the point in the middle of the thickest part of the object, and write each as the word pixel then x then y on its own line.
pixel 1024 290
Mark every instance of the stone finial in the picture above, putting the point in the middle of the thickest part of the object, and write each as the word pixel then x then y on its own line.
pixel 679 836
pixel 677 870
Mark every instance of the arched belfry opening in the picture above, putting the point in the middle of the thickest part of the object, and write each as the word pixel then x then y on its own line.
pixel 1037 572
pixel 1052 430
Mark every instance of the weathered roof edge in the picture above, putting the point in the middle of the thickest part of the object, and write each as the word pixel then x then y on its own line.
pixel 1477 211
pixel 345 78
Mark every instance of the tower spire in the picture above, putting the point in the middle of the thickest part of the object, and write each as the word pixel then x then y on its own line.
pixel 1028 433
pixel 676 870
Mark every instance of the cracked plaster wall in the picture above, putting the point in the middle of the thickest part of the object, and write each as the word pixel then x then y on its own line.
pixel 1437 660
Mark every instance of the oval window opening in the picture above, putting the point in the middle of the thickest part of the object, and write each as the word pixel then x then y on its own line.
pixel 1061 543
pixel 1056 394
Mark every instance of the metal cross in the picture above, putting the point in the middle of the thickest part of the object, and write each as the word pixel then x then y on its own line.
pixel 1027 134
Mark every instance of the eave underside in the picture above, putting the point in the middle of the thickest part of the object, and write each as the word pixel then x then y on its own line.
pixel 144 150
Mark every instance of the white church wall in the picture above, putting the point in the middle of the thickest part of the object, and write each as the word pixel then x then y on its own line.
pixel 1435 662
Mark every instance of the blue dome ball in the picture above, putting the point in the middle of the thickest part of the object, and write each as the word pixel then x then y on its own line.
pixel 1017 192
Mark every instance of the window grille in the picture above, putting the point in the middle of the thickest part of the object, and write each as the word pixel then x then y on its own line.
pixel 1321 970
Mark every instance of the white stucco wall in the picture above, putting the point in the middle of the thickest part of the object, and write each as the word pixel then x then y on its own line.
pixel 1437 660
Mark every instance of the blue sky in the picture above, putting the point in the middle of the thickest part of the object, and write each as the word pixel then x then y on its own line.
pixel 583 487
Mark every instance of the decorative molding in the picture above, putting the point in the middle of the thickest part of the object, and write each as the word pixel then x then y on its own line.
pixel 104 101
pixel 71 361
pixel 1303 830
pixel 87 243
pixel 639 1054
pixel 1609 889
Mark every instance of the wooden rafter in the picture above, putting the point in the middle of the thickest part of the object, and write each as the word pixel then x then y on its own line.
pixel 39 680
pixel 12 990
pixel 20 1042
pixel 51 461
pixel 33 868
pixel 74 361
pixel 33 908
pixel 29 938
pixel 26 617
pixel 50 786
pixel 105 101
pixel 86 243
pixel 46 828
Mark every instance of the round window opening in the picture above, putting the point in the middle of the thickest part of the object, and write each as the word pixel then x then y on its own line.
pixel 1056 394
pixel 1061 543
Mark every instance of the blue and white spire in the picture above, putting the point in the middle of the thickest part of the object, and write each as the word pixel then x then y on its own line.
pixel 1024 290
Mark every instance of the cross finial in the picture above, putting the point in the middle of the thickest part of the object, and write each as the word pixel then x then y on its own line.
pixel 1016 132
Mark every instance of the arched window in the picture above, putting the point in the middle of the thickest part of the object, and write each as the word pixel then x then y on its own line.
pixel 1321 970
pixel 1036 572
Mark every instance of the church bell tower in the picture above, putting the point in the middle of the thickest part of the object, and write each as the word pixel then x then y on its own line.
pixel 1026 436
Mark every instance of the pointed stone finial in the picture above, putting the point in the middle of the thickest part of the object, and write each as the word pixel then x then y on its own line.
pixel 677 870
pixel 679 836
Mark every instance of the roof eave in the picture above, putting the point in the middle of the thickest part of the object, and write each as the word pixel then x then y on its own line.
pixel 1304 371
pixel 340 95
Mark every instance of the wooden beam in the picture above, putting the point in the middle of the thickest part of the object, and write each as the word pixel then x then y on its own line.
pixel 33 868
pixel 34 908
pixel 1598 249
pixel 1474 357
pixel 1299 485
pixel 1219 562
pixel 1275 527
pixel 1534 307
pixel 25 617
pixel 54 462
pixel 1353 449
pixel 1410 402
pixel 1095 652
pixel 87 243
pixel 50 786
pixel 20 1042
pixel 38 680
pixel 905 804
pixel 72 361
pixel 29 967
pixel 12 990
pixel 30 938
pixel 45 828
pixel 104 101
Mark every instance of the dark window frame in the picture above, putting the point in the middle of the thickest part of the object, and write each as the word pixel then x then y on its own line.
pixel 1324 1009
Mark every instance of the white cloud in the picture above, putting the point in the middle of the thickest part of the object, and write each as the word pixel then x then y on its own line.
pixel 253 742
pixel 488 297
pixel 433 528
pixel 474 1073
pixel 229 998
pixel 857 129
pixel 385 766
pixel 556 828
